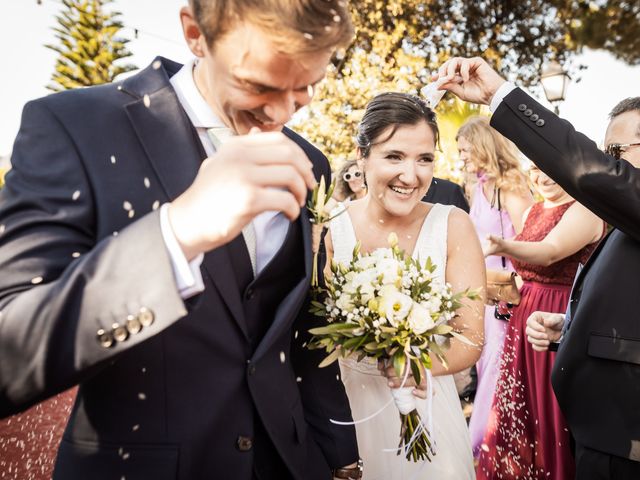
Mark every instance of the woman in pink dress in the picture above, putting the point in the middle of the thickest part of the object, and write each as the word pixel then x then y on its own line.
pixel 498 202
pixel 527 436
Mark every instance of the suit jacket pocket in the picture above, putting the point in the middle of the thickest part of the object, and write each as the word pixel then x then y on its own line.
pixel 81 460
pixel 614 348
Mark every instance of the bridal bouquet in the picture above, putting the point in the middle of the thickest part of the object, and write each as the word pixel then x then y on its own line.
pixel 391 307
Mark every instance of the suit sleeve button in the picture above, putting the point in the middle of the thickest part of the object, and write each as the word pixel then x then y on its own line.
pixel 133 324
pixel 105 339
pixel 146 317
pixel 540 123
pixel 244 443
pixel 120 332
pixel 528 112
pixel 522 107
pixel 534 117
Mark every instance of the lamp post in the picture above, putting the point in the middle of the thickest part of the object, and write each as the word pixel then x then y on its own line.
pixel 555 82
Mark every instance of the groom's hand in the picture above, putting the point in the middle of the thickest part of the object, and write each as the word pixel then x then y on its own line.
pixel 248 175
pixel 471 79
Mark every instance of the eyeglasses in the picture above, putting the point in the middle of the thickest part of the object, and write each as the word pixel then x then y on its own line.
pixel 616 149
pixel 350 176
pixel 503 311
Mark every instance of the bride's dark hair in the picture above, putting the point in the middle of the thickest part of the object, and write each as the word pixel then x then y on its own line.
pixel 392 109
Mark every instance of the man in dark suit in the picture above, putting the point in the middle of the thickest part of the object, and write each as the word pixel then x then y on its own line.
pixel 446 192
pixel 596 375
pixel 173 290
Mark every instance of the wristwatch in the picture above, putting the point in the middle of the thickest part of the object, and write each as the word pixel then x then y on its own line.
pixel 351 473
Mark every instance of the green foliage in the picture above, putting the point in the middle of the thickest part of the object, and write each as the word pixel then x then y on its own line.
pixel 3 172
pixel 89 45
pixel 399 42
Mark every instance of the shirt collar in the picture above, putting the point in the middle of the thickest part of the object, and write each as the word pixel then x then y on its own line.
pixel 196 107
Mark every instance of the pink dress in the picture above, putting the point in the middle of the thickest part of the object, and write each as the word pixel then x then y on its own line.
pixel 486 219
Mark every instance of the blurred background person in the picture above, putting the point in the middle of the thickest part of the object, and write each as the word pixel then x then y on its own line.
pixel 527 435
pixel 446 192
pixel 498 200
pixel 350 182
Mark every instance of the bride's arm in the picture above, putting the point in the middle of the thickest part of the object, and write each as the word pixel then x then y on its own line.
pixel 465 269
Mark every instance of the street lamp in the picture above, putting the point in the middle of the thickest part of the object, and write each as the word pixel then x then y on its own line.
pixel 555 82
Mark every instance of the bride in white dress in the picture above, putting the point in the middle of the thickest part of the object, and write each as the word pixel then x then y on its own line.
pixel 396 145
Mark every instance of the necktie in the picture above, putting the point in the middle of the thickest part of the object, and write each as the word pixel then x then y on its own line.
pixel 218 135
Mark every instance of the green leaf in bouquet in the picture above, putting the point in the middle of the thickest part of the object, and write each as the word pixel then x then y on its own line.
pixel 415 370
pixel 426 360
pixel 443 329
pixel 329 359
pixel 463 338
pixel 333 328
pixel 356 250
pixel 316 305
pixel 352 343
pixel 399 362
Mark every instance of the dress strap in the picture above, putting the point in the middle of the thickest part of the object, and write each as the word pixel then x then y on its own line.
pixel 342 234
pixel 432 241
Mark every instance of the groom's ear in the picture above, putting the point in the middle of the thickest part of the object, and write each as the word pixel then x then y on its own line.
pixel 191 32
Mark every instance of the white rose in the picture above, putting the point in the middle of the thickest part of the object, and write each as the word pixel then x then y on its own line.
pixel 381 253
pixel 365 263
pixel 419 319
pixel 389 269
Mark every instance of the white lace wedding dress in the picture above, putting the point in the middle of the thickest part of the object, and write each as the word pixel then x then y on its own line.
pixel 368 391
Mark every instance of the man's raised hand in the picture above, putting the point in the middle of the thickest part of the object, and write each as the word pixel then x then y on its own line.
pixel 248 175
pixel 470 79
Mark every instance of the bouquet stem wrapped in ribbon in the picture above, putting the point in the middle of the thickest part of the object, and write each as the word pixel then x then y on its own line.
pixel 320 206
pixel 390 307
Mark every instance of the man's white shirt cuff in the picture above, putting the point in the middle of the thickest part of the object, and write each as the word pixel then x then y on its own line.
pixel 505 89
pixel 187 274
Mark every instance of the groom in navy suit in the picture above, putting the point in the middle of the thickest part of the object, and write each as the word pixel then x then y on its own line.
pixel 154 249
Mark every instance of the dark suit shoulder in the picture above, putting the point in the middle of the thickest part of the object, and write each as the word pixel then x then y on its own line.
pixel 446 192
pixel 319 160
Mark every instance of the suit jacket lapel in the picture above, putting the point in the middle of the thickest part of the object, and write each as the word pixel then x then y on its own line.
pixel 173 150
pixel 290 306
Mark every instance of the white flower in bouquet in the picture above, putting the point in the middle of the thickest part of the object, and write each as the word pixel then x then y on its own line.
pixel 419 319
pixel 389 270
pixel 394 305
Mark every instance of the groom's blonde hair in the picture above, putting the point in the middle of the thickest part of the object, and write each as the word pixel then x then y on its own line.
pixel 297 26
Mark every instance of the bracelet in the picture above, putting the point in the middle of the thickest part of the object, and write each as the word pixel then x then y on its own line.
pixel 351 473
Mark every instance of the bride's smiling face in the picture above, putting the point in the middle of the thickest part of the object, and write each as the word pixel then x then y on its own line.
pixel 399 170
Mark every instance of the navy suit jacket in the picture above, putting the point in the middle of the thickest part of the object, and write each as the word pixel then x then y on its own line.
pixel 596 375
pixel 88 297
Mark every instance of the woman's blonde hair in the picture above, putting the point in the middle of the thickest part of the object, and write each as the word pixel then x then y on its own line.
pixel 495 155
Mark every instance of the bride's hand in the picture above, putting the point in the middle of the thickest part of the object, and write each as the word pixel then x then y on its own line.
pixel 387 370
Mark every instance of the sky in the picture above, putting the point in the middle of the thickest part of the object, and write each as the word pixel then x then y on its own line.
pixel 25 27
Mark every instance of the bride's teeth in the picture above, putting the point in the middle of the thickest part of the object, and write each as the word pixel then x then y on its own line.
pixel 404 191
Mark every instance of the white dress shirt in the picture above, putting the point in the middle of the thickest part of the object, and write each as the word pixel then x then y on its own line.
pixel 270 227
pixel 505 89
